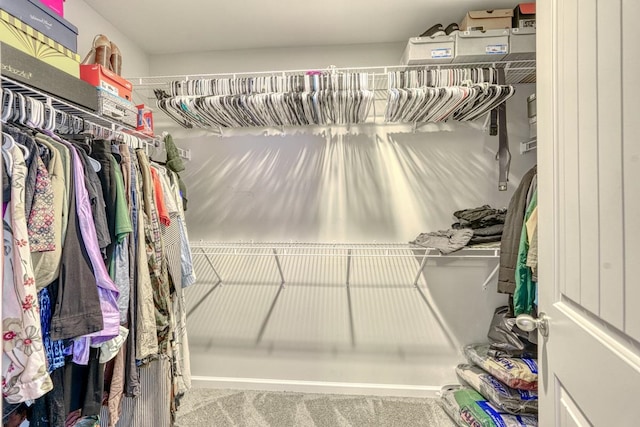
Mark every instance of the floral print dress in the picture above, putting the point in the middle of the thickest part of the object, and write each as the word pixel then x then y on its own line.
pixel 24 375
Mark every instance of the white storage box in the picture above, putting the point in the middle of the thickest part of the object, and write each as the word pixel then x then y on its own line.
pixel 120 109
pixel 481 46
pixel 429 50
pixel 522 45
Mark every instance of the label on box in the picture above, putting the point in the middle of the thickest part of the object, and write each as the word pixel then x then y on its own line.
pixel 496 48
pixel 527 23
pixel 444 52
pixel 109 88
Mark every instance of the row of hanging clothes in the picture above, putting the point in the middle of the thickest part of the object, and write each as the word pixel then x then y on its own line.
pixel 312 98
pixel 428 96
pixel 96 257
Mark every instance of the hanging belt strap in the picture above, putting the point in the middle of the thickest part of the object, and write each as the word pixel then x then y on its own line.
pixel 503 156
pixel 493 128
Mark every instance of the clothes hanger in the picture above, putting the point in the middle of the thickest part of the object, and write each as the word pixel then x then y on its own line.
pixel 8 143
pixel 19 110
pixel 7 105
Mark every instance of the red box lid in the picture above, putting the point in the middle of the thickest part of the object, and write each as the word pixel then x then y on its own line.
pixel 95 72
pixel 527 8
pixel 101 77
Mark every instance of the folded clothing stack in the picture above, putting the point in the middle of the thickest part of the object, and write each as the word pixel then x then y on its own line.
pixel 486 222
pixel 497 391
pixel 475 226
pixel 446 241
pixel 468 408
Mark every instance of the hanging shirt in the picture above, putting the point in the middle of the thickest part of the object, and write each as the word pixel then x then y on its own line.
pixel 146 337
pixel 96 197
pixel 122 222
pixel 163 213
pixel 155 255
pixel 131 374
pixel 46 265
pixel 188 273
pixel 119 262
pixel 106 288
pixel 27 141
pixel 101 151
pixel 40 221
pixel 55 350
pixel 171 229
pixel 24 364
pixel 525 292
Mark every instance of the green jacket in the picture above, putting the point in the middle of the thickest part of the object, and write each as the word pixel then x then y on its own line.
pixel 525 293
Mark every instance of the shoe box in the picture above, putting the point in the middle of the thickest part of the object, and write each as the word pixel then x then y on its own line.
pixel 145 120
pixel 43 19
pixel 107 80
pixel 483 20
pixel 482 46
pixel 32 42
pixel 524 16
pixel 429 50
pixel 114 107
pixel 56 5
pixel 515 44
pixel 24 68
pixel 483 36
pixel 522 44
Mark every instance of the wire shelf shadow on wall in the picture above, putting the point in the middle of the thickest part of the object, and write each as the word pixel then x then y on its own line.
pixel 364 298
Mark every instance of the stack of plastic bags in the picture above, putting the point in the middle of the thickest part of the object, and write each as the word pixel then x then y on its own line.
pixel 499 389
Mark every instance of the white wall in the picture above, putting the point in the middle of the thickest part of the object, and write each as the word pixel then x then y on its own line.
pixel 318 57
pixel 135 62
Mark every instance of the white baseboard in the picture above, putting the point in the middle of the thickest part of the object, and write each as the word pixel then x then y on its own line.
pixel 367 389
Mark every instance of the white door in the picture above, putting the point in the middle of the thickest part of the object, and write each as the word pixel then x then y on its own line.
pixel 589 211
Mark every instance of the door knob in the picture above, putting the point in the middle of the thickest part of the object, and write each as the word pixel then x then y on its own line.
pixel 529 323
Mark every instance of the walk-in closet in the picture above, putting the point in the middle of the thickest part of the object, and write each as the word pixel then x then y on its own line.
pixel 319 214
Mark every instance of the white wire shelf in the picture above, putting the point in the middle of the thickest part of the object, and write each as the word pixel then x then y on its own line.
pixel 516 72
pixel 357 250
pixel 347 266
pixel 108 125
pixel 377 82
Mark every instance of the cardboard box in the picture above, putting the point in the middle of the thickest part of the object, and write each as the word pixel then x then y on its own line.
pixel 483 20
pixel 56 5
pixel 117 108
pixel 19 35
pixel 429 50
pixel 522 44
pixel 481 46
pixel 524 16
pixel 145 120
pixel 41 18
pixel 107 80
pixel 24 68
pixel 38 35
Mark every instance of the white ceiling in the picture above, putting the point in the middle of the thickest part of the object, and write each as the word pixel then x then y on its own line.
pixel 161 27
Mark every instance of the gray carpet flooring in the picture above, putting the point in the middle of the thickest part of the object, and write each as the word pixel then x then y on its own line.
pixel 231 408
